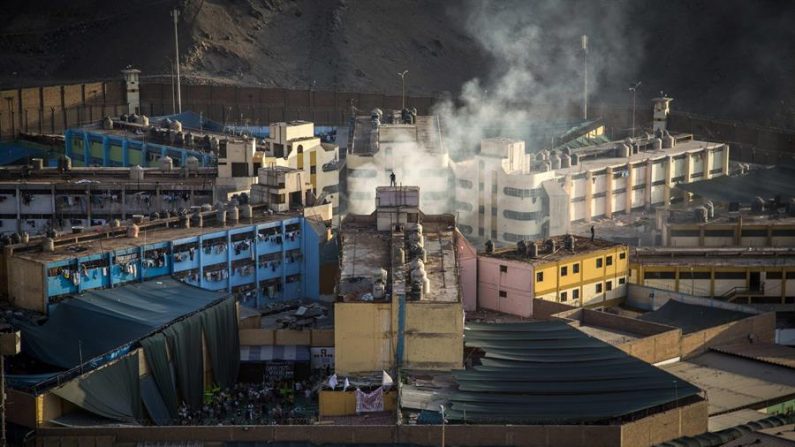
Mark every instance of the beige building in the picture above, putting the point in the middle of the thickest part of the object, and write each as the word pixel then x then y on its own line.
pixel 507 196
pixel 294 145
pixel 281 188
pixel 399 299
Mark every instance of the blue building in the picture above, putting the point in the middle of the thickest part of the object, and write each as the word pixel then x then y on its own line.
pixel 99 147
pixel 270 259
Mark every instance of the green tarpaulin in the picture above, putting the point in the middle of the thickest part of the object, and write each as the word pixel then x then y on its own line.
pixel 162 372
pixel 112 391
pixel 185 345
pixel 223 342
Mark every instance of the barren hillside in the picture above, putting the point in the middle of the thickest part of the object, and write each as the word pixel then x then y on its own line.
pixel 728 58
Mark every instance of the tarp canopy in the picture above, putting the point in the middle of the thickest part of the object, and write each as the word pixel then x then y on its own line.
pixel 691 317
pixel 766 183
pixel 100 321
pixel 581 380
pixel 253 354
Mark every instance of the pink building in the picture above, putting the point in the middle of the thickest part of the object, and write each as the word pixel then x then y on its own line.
pixel 505 285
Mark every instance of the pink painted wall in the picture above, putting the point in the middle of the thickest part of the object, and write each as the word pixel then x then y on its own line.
pixel 468 261
pixel 517 283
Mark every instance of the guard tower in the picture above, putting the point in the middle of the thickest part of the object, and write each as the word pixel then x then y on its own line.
pixel 132 89
pixel 662 108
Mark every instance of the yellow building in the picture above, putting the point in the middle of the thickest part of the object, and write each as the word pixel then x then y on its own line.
pixel 761 275
pixel 399 300
pixel 567 269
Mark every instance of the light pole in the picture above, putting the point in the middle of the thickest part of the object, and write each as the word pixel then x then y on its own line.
pixel 403 88
pixel 441 408
pixel 175 15
pixel 634 90
pixel 584 42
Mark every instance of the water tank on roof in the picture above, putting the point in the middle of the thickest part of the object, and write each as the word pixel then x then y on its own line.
pixel 192 163
pixel 565 161
pixel 701 214
pixel 626 150
pixel 656 144
pixel 521 247
pixel 107 123
pixel 142 120
pixel 758 204
pixel 379 290
pixel 667 140
pixel 136 173
pixel 575 159
pixel 48 245
pixel 65 163
pixel 188 139
pixel 554 160
pixel 710 209
pixel 166 164
pixel 176 126
pixel 214 143
pixel 489 246
pixel 532 250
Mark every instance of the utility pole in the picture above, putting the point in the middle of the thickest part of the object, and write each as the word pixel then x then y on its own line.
pixel 441 410
pixel 173 94
pixel 584 42
pixel 634 90
pixel 175 15
pixel 403 88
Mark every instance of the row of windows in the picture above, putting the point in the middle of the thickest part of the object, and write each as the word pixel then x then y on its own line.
pixel 575 293
pixel 693 275
pixel 512 237
pixel 519 215
pixel 521 193
pixel 608 260
pixel 464 183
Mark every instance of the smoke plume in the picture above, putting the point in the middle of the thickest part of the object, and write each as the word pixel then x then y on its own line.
pixel 537 68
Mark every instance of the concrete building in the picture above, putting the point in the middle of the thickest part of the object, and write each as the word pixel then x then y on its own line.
pixel 264 257
pixel 566 269
pixel 282 188
pixel 294 145
pixel 399 297
pixel 505 196
pixel 36 199
pixel 714 226
pixel 759 274
pixel 411 148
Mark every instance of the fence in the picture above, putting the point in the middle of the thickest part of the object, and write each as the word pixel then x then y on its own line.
pixel 55 108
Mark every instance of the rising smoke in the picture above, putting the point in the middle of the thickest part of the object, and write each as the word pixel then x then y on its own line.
pixel 537 65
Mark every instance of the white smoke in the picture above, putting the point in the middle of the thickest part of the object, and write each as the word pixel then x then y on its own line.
pixel 537 69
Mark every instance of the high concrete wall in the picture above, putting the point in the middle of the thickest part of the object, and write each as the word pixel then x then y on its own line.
pixel 759 328
pixel 54 108
pixel 285 337
pixel 639 297
pixel 430 435
pixel 689 420
pixel 544 310
pixel 260 106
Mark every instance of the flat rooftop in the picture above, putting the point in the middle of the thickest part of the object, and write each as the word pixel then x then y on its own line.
pixel 608 335
pixel 365 251
pixel 582 245
pixel 734 383
pixel 104 177
pixel 425 133
pixel 593 157
pixel 146 237
pixel 690 317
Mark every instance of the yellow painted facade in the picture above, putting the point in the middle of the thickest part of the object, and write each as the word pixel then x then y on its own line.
pixel 366 336
pixel 758 282
pixel 585 279
pixel 343 403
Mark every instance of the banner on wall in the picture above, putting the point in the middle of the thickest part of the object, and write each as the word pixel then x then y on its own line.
pixel 320 358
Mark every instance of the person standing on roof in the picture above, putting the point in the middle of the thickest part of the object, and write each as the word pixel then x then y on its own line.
pixel 392 179
pixel 593 233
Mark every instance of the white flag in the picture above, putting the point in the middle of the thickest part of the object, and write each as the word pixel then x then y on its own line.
pixel 346 385
pixel 386 380
pixel 332 381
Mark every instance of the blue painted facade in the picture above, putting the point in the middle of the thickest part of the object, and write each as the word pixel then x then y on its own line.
pixel 265 262
pixel 98 149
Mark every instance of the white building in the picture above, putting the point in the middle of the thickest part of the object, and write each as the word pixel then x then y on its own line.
pixel 504 195
pixel 411 148
pixel 294 144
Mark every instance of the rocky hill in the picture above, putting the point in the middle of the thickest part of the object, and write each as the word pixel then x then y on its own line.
pixel 729 58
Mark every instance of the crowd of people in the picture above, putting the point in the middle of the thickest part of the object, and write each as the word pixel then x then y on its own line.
pixel 276 402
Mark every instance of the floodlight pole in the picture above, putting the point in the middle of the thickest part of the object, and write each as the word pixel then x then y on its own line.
pixel 175 15
pixel 634 90
pixel 403 88
pixel 441 408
